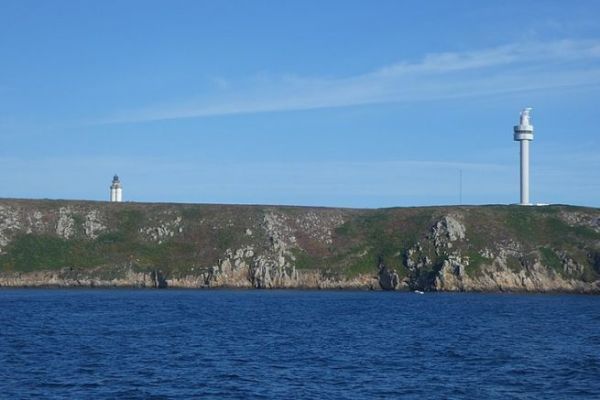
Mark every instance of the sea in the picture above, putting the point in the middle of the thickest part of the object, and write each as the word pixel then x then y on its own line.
pixel 287 344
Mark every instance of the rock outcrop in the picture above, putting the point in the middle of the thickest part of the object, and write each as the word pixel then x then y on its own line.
pixel 388 278
pixel 499 248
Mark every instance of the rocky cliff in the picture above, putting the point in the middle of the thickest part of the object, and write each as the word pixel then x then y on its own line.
pixel 483 248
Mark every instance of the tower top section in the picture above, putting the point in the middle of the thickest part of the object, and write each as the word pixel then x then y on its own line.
pixel 116 183
pixel 524 131
pixel 524 120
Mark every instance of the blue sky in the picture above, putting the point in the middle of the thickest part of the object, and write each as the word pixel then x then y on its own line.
pixel 336 103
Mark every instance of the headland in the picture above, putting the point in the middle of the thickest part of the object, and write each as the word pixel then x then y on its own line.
pixel 60 243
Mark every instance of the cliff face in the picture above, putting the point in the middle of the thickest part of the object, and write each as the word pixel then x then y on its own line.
pixel 485 248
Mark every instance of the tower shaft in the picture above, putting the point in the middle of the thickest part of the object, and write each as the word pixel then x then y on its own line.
pixel 525 172
pixel 116 194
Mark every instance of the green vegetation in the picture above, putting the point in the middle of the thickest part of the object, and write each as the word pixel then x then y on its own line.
pixel 476 260
pixel 514 264
pixel 30 252
pixel 192 212
pixel 129 222
pixel 540 225
pixel 550 259
pixel 225 239
pixel 304 260
pixel 366 264
pixel 387 234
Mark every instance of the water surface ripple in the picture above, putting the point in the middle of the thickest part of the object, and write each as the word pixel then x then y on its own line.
pixel 132 344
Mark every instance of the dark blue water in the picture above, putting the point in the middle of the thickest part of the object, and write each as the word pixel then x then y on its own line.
pixel 289 344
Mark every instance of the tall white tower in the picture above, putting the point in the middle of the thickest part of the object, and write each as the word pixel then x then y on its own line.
pixel 524 134
pixel 116 190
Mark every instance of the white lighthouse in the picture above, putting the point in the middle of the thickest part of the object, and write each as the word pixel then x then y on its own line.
pixel 116 190
pixel 524 134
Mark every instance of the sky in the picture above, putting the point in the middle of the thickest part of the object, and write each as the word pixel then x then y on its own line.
pixel 321 103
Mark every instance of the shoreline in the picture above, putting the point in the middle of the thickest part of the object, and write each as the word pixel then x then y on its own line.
pixel 291 289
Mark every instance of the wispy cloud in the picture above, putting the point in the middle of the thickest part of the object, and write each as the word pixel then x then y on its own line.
pixel 504 69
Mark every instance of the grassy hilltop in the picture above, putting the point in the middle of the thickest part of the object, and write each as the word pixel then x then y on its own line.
pixel 68 243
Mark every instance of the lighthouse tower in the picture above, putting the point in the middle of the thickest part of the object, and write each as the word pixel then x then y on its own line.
pixel 116 190
pixel 524 134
